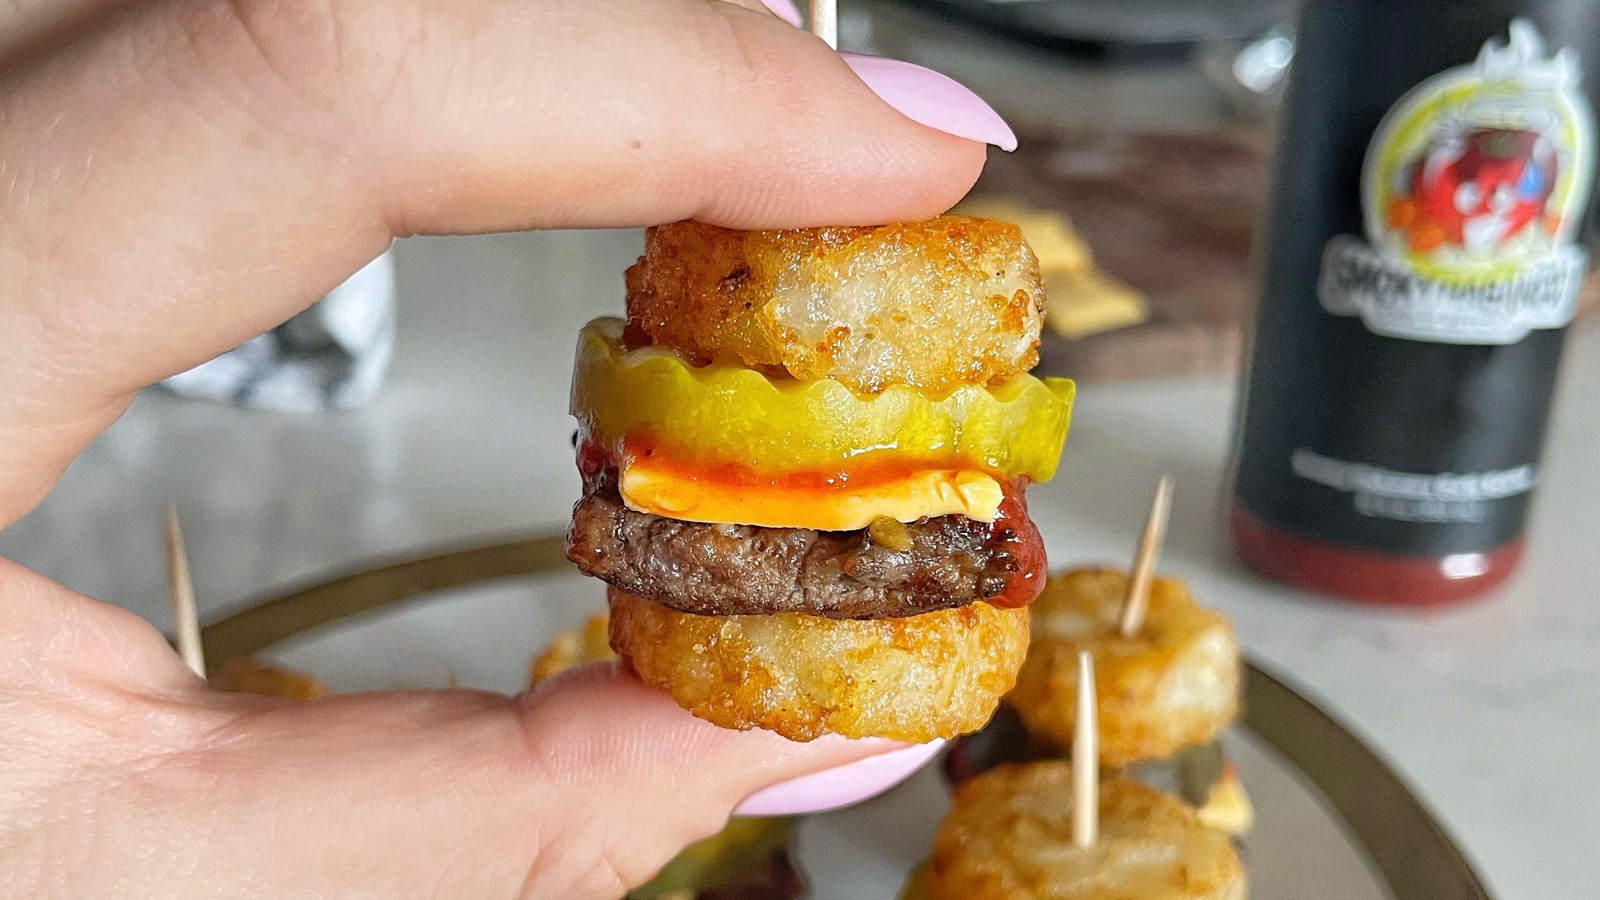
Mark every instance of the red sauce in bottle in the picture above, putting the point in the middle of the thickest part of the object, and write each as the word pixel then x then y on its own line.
pixel 1367 575
pixel 1420 266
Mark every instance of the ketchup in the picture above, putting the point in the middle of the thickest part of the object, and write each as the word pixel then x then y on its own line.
pixel 1025 545
pixel 593 459
pixel 1420 268
pixel 865 469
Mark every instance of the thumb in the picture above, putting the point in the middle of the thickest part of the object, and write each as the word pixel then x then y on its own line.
pixel 583 788
pixel 135 780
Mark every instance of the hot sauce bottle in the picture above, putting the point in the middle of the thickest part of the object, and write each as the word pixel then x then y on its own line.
pixel 1420 267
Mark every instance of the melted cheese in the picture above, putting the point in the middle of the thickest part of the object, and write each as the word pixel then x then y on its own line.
pixel 839 507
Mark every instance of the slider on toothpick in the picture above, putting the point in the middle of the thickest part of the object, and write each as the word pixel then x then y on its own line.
pixel 812 517
pixel 1169 679
pixel 1053 829
pixel 1168 669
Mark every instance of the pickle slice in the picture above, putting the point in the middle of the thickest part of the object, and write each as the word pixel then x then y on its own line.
pixel 728 413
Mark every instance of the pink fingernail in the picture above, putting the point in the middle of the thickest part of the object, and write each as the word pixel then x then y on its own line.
pixel 839 786
pixel 932 99
pixel 785 10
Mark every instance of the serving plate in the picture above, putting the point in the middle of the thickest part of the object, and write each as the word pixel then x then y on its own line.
pixel 1333 821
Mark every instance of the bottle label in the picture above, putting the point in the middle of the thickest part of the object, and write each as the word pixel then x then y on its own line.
pixel 1414 497
pixel 1471 191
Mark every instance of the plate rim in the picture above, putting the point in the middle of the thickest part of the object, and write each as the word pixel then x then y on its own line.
pixel 1411 850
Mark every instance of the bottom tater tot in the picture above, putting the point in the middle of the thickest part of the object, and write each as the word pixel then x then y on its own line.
pixel 1173 685
pixel 584 644
pixel 1009 837
pixel 916 678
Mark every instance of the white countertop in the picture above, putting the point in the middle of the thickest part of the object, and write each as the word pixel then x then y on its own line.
pixel 1491 711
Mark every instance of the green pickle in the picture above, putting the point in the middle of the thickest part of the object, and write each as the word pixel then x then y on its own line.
pixel 729 413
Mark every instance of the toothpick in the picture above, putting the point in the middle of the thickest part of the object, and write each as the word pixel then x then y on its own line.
pixel 1137 602
pixel 824 21
pixel 185 619
pixel 1086 759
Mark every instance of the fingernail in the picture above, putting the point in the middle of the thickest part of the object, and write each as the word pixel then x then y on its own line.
pixel 785 10
pixel 932 99
pixel 839 786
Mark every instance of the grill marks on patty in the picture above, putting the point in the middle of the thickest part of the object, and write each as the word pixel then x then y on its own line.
pixel 728 570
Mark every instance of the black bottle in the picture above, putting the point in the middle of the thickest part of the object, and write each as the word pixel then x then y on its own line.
pixel 1421 263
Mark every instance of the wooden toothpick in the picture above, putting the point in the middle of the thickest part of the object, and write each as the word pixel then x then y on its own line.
pixel 1086 758
pixel 1135 604
pixel 185 618
pixel 824 21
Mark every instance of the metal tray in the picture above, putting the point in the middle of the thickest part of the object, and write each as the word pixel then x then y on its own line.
pixel 1334 822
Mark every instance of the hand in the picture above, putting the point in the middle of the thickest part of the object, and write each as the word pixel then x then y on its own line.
pixel 179 176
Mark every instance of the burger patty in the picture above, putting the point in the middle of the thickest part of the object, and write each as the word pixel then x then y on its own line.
pixel 728 570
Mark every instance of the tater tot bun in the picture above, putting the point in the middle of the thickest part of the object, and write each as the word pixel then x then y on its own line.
pixel 935 304
pixel 914 678
pixel 1008 836
pixel 1173 685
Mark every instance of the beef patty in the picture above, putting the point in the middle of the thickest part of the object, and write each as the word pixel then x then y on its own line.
pixel 728 570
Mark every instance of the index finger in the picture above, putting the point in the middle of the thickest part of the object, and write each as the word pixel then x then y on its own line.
pixel 191 173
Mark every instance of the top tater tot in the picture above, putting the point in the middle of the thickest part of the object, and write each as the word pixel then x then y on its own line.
pixel 1172 685
pixel 935 304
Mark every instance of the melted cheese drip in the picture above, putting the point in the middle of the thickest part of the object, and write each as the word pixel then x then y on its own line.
pixel 936 492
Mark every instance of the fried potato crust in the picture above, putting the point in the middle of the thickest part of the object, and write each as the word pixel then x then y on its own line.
pixel 1009 837
pixel 587 643
pixel 914 678
pixel 1173 685
pixel 934 304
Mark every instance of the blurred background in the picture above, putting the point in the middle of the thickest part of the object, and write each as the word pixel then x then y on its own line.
pixel 1145 128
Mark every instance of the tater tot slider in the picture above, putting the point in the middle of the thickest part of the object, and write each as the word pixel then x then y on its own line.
pixel 935 304
pixel 805 457
pixel 1172 685
pixel 913 678
pixel 1008 836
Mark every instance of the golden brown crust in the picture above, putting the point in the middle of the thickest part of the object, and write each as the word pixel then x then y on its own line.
pixel 934 304
pixel 1009 837
pixel 1173 685
pixel 585 644
pixel 916 678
